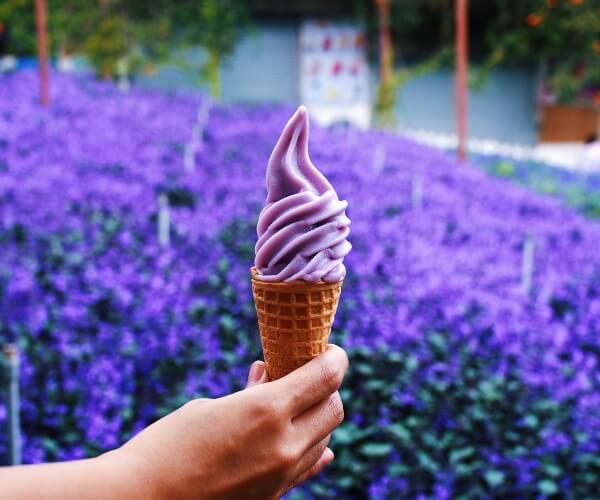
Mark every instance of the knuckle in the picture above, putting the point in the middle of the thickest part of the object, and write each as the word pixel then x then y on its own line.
pixel 314 469
pixel 287 457
pixel 330 377
pixel 268 411
pixel 336 408
pixel 317 451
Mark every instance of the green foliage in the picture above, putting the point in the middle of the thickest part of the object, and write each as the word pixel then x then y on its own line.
pixel 107 45
pixel 137 32
pixel 575 191
pixel 468 424
pixel 18 17
pixel 564 35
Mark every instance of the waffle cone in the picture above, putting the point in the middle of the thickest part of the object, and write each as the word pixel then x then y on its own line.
pixel 294 320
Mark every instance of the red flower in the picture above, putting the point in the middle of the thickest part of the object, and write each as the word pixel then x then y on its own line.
pixel 575 2
pixel 534 20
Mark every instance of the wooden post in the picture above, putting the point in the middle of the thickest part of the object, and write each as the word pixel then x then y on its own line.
pixel 461 46
pixel 41 22
pixel 13 420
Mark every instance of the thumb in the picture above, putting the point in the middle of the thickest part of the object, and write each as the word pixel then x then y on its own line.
pixel 257 374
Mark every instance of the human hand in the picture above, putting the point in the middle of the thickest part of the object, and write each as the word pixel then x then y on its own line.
pixel 256 443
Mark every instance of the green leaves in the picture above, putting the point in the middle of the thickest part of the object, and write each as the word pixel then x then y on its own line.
pixel 494 477
pixel 462 454
pixel 376 450
pixel 486 424
pixel 400 432
pixel 548 487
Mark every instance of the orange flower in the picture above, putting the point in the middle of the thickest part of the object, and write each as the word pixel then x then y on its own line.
pixel 597 47
pixel 575 2
pixel 534 20
pixel 596 97
pixel 551 3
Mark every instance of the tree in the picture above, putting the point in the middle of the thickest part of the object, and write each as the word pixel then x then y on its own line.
pixel 390 18
pixel 564 35
pixel 138 31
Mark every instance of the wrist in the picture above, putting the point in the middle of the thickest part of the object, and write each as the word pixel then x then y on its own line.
pixel 127 473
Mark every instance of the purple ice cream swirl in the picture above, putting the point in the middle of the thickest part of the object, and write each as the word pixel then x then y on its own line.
pixel 303 229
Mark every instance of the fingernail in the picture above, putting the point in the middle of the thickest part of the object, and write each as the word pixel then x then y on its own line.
pixel 256 372
pixel 328 455
pixel 260 370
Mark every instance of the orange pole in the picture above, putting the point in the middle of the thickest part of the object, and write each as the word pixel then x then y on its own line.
pixel 460 15
pixel 385 44
pixel 41 22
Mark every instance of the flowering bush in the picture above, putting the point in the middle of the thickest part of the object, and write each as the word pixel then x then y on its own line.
pixel 577 190
pixel 462 382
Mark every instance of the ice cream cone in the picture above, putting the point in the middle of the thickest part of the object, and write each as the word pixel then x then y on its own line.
pixel 294 320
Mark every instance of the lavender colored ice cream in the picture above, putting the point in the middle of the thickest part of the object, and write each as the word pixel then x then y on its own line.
pixel 303 229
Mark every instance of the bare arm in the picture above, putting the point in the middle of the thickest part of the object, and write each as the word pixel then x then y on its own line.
pixel 254 444
pixel 111 475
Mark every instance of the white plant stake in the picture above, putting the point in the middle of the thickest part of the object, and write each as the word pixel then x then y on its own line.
pixel 527 264
pixel 164 220
pixel 379 158
pixel 123 75
pixel 197 133
pixel 416 195
pixel 13 421
pixel 203 113
pixel 189 157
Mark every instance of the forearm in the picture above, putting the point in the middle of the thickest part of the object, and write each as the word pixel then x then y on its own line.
pixel 113 475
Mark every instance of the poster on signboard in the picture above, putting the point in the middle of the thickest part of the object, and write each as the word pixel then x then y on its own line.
pixel 334 73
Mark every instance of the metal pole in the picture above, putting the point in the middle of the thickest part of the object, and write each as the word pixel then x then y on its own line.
pixel 461 7
pixel 41 22
pixel 13 421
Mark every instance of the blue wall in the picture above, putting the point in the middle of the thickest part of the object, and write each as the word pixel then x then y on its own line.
pixel 264 67
pixel 504 109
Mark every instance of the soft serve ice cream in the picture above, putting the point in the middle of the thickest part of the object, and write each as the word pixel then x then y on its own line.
pixel 303 229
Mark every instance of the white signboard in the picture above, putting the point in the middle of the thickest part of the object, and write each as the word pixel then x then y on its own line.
pixel 334 73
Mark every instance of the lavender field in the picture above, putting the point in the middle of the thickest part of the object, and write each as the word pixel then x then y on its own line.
pixel 464 382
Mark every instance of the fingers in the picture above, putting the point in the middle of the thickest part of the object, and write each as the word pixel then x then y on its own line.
pixel 311 456
pixel 320 420
pixel 257 374
pixel 325 459
pixel 313 382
